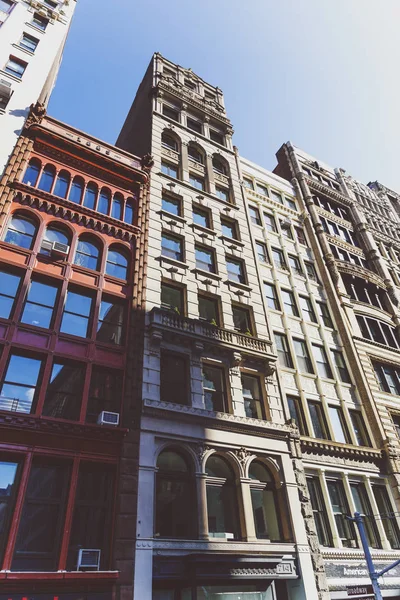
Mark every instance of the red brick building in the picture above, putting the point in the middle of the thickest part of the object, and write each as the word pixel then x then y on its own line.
pixel 72 260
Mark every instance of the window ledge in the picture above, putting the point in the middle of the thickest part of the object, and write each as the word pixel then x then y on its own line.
pixel 6 74
pixel 242 286
pixel 203 273
pixel 171 216
pixel 377 344
pixel 186 184
pixel 24 50
pixel 173 261
pixel 232 241
pixel 202 229
pixel 35 28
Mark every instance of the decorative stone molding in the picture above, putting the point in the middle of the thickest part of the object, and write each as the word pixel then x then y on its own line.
pixel 360 272
pixel 36 114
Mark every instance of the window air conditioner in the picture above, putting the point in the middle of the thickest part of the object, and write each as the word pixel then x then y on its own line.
pixel 5 90
pixel 58 248
pixel 88 559
pixel 108 418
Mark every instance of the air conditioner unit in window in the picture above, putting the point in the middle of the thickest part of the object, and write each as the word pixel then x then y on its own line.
pixel 88 559
pixel 58 248
pixel 108 418
pixel 5 90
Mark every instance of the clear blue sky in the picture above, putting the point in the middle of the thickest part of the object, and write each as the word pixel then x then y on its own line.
pixel 323 74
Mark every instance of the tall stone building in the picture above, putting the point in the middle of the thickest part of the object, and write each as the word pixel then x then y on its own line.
pixel 219 478
pixel 32 38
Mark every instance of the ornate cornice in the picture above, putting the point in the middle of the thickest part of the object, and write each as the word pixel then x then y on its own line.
pixel 360 272
pixel 336 241
pixel 331 217
pixel 336 449
pixel 329 192
pixel 377 344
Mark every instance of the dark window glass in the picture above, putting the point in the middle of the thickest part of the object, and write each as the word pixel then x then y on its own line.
pixel 205 259
pixel 171 113
pixel 92 519
pixel 339 425
pixel 21 232
pixel 388 377
pixel 271 296
pixel 360 430
pixel 242 319
pixel 64 392
pixel 222 193
pixel 325 314
pixel 254 216
pixel 129 212
pixel 269 221
pixel 28 42
pixel 76 315
pixel 276 196
pixel 87 255
pixel 175 497
pixel 172 247
pixel 105 392
pixel 222 509
pixel 9 284
pixel 195 155
pixel 8 484
pixel 89 199
pixel 111 322
pixel 39 22
pixel 279 259
pixel 295 265
pixel 214 389
pixel 323 367
pixel 40 528
pixel 388 517
pixel 363 506
pixel 303 357
pixel 319 512
pixel 318 420
pixel 117 207
pixel 172 205
pixel 252 397
pixel 32 172
pixel 201 217
pixel 296 413
pixel 168 169
pixel 301 238
pixel 235 269
pixel 76 191
pixel 217 137
pixel 208 309
pixel 262 252
pixel 172 298
pixel 219 166
pixel 53 234
pixel 289 303
pixel 264 502
pixel 104 202
pixel 197 182
pixel 169 142
pixel 261 189
pixel 341 512
pixel 229 228
pixel 174 381
pixel 62 184
pixel 18 389
pixel 117 264
pixel 39 304
pixel 194 125
pixel 47 178
pixel 15 67
pixel 282 348
pixel 341 366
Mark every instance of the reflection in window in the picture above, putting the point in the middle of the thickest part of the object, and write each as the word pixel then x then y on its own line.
pixel 252 398
pixel 18 389
pixel 64 392
pixel 214 389
pixel 104 202
pixel 242 319
pixel 117 264
pixel 388 518
pixel 32 172
pixel 76 315
pixel 319 512
pixel 341 510
pixel 87 255
pixel 39 304
pixel 90 196
pixel 222 506
pixel 62 184
pixel 21 232
pixel 264 503
pixel 129 212
pixel 172 247
pixel 318 420
pixel 76 191
pixel 172 298
pixel 105 392
pixel 54 234
pixel 117 207
pixel 47 178
pixel 111 322
pixel 236 272
pixel 9 284
pixel 8 476
pixel 209 309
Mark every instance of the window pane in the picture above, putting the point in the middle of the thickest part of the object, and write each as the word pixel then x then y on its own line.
pixel 172 298
pixel 319 512
pixel 169 169
pixel 282 348
pixel 76 191
pixel 289 303
pixel 360 429
pixel 32 173
pixel 296 413
pixel 174 383
pixel 47 178
pixel 62 183
pixel 87 255
pixel 19 384
pixel 341 366
pixel 270 294
pixel 105 392
pixel 9 284
pixel 242 320
pixel 20 232
pixel 262 252
pixel 171 247
pixel 90 196
pixel 221 509
pixel 388 520
pixel 171 205
pixel 201 217
pixel 307 309
pixel 321 359
pixel 64 392
pixel 116 208
pixel 338 425
pixel 111 322
pixel 39 305
pixel 104 202
pixel 205 259
pixel 341 511
pixel 208 309
pixel 8 475
pixel 175 506
pixel 76 314
pixel 117 264
pixel 252 398
pixel 235 270
pixel 197 182
pixel 265 514
pixel 317 420
pixel 213 389
pixel 303 358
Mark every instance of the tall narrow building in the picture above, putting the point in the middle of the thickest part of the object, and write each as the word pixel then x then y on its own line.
pixel 32 38
pixel 218 511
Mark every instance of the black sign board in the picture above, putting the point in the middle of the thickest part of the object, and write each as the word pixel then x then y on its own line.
pixel 359 590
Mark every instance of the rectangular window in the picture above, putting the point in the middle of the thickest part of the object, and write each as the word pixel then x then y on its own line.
pixel 253 401
pixel 311 272
pixel 194 125
pixel 39 22
pixel 64 392
pixel 286 230
pixel 76 315
pixel 172 205
pixel 290 203
pixel 303 357
pixel 388 518
pixel 174 381
pixel 295 265
pixel 363 506
pixel 262 252
pixel 248 183
pixel 296 413
pixel 197 182
pixel 19 386
pixel 217 137
pixel 15 67
pixel 242 320
pixel 323 367
pixel 209 309
pixel 276 196
pixel 325 314
pixel 9 286
pixel 289 303
pixel 341 512
pixel 235 268
pixel 270 223
pixel 172 247
pixel 307 309
pixel 41 526
pixel 28 42
pixel 271 296
pixel 279 259
pixel 344 375
pixel 301 238
pixel 110 325
pixel 338 425
pixel 262 189
pixel 214 389
pixel 388 377
pixel 105 392
pixel 6 5
pixel 172 298
pixel 201 216
pixel 318 420
pixel 254 215
pixel 39 304
pixel 205 259
pixel 360 430
pixel 222 193
pixel 169 169
pixel 229 228
pixel 319 512
pixel 9 471
pixel 282 348
pixel 92 518
pixel 170 113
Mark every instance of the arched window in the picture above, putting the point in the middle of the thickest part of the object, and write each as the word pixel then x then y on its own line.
pixel 222 508
pixel 104 201
pixel 21 232
pixel 117 206
pixel 168 141
pixel 175 498
pixel 117 263
pixel 90 195
pixel 76 191
pixel 129 212
pixel 87 254
pixel 54 233
pixel 47 178
pixel 264 502
pixel 32 172
pixel 219 166
pixel 195 154
pixel 62 183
